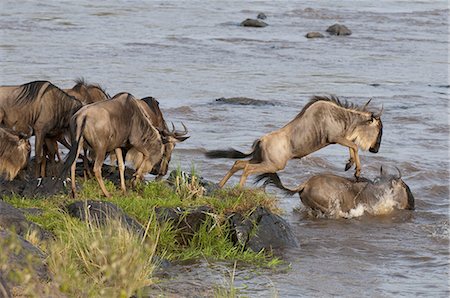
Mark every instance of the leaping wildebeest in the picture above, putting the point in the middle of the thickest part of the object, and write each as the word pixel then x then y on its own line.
pixel 38 105
pixel 323 121
pixel 336 196
pixel 14 152
pixel 108 126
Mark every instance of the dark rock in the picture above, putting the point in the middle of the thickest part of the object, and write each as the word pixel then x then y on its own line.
pixel 45 187
pixel 186 222
pixel 261 16
pixel 100 213
pixel 244 101
pixel 375 85
pixel 208 186
pixel 338 29
pixel 24 256
pixel 262 230
pixel 14 220
pixel 4 289
pixel 253 23
pixel 314 35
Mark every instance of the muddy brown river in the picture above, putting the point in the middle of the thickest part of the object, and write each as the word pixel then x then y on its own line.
pixel 189 53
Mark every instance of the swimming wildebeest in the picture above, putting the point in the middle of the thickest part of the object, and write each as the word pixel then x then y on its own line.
pixel 14 152
pixel 151 106
pixel 110 125
pixel 336 196
pixel 38 105
pixel 323 121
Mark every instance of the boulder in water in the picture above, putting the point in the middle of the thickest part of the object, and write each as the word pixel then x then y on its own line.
pixel 253 23
pixel 338 29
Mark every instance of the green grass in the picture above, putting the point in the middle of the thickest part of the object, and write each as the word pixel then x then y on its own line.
pixel 74 259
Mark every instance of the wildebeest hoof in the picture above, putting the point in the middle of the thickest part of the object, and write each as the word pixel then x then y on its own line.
pixel 348 165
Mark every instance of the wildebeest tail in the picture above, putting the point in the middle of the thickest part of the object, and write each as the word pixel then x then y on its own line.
pixel 232 153
pixel 274 179
pixel 72 155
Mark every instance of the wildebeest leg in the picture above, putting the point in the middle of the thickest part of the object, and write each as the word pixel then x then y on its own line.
pixel 350 160
pixel 352 146
pixel 119 156
pixel 251 169
pixel 138 175
pixel 39 170
pixel 238 165
pixel 99 158
pixel 86 168
pixel 73 168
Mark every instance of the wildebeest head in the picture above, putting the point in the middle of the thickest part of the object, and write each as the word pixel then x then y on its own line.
pixel 400 190
pixel 169 139
pixel 368 132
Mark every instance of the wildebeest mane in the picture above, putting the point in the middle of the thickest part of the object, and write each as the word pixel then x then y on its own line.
pixel 30 91
pixel 81 82
pixel 333 99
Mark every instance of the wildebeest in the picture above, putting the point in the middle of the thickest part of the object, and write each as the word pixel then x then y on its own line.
pixel 87 94
pixel 110 125
pixel 323 121
pixel 38 105
pixel 151 106
pixel 336 196
pixel 14 152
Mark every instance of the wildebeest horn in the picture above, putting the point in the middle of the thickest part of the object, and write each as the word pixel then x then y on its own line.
pixel 367 103
pixel 181 133
pixel 399 173
pixel 379 113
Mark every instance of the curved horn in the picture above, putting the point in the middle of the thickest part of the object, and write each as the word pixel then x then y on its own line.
pixel 367 103
pixel 399 173
pixel 173 128
pixel 380 112
pixel 181 133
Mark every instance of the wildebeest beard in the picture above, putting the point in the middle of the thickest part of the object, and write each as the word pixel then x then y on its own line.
pixel 376 147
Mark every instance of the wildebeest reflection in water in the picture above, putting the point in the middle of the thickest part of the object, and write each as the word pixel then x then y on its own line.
pixel 335 196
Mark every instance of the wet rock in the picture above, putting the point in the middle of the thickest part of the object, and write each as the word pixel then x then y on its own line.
pixel 244 101
pixel 253 23
pixel 186 222
pixel 14 220
pixel 261 16
pixel 208 186
pixel 23 257
pixel 100 212
pixel 262 230
pixel 338 29
pixel 314 35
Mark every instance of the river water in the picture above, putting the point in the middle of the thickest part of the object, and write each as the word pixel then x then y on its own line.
pixel 189 53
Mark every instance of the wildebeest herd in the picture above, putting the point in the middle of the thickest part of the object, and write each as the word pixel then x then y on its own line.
pixel 85 119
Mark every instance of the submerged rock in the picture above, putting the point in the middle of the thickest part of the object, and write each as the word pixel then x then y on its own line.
pixel 261 16
pixel 262 230
pixel 244 101
pixel 100 212
pixel 253 23
pixel 14 220
pixel 338 29
pixel 314 35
